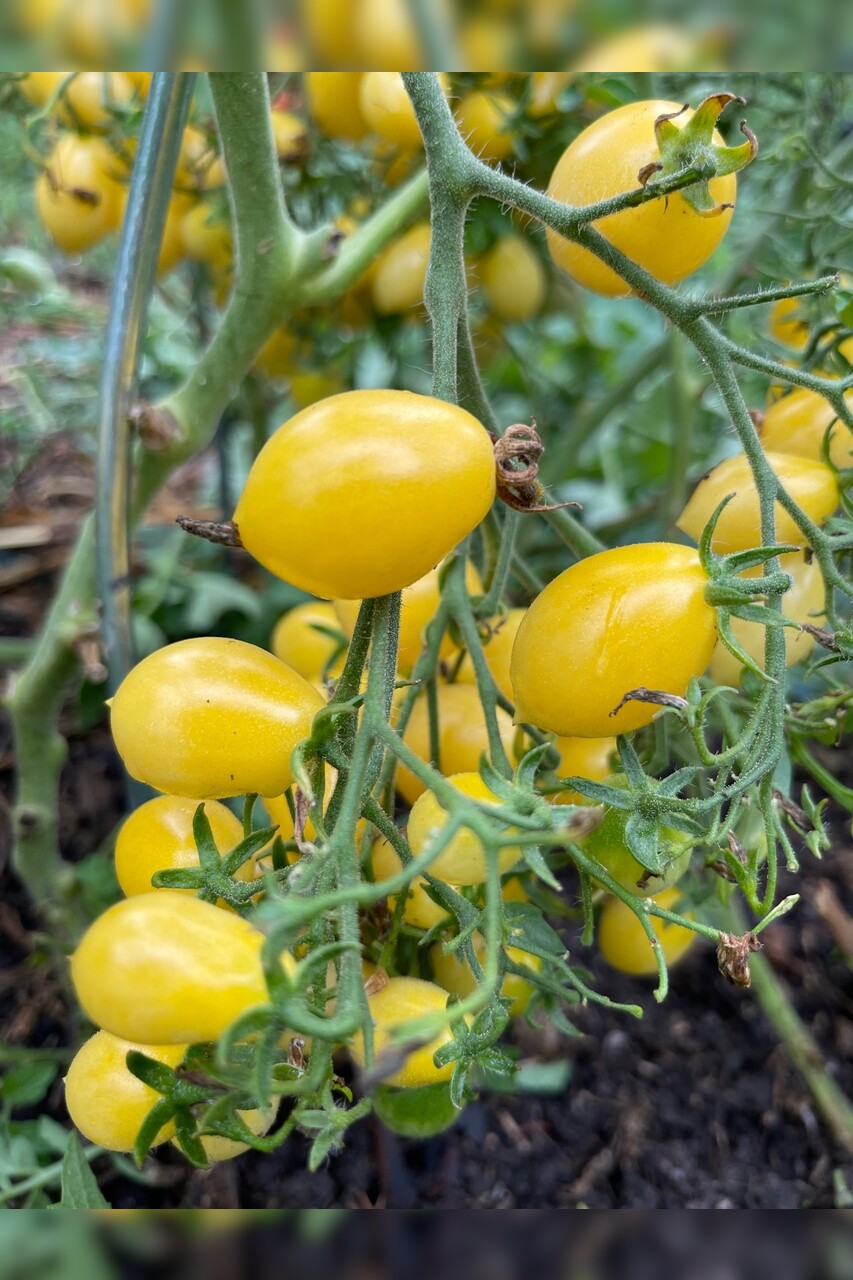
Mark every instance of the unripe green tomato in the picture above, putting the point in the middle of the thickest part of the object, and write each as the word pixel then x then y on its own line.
pixel 812 485
pixel 399 1001
pixel 456 976
pixel 463 737
pixel 105 1100
pixel 803 602
pixel 482 120
pixel 513 279
pixel 463 859
pixel 158 836
pixel 78 199
pixel 361 494
pixel 298 640
pixel 666 236
pixel 623 943
pixel 417 609
pixel 212 717
pixel 387 108
pixel 798 422
pixel 334 103
pixel 420 910
pixel 164 968
pixel 497 650
pixel 398 274
pixel 608 846
pixel 590 758
pixel 629 618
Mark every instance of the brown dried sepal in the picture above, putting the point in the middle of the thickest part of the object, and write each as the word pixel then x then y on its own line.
pixel 517 454
pixel 156 428
pixel 733 957
pixel 376 982
pixel 224 533
pixel 296 1053
pixel 657 696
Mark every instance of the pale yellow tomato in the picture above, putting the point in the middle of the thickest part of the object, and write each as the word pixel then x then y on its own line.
pixel 786 325
pixel 158 836
pixel 105 1100
pixel 387 108
pixel 804 602
pixel 329 29
pixel 335 105
pixel 92 98
pixel 590 758
pixel 483 122
pixel 513 279
pixel 289 134
pixel 463 859
pixel 78 198
pixel 301 639
pixel 497 649
pixel 462 737
pixel 798 422
pixel 398 275
pixel 400 1001
pixel 624 944
pixel 454 973
pixel 207 235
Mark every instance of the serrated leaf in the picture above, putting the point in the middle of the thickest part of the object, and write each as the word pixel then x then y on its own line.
pixel 677 781
pixel 415 1113
pixel 616 797
pixel 78 1186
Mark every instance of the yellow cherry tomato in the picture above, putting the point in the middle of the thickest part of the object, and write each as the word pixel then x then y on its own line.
pixel 665 236
pixel 497 649
pixel 329 29
pixel 386 35
pixel 335 105
pixel 105 1100
pixel 646 49
pixel 301 639
pixel 629 618
pixel 483 122
pixel 462 738
pixel 212 717
pixel 289 134
pixel 158 836
pixel 785 325
pixel 92 98
pixel 545 89
pixel 398 1002
pixel 207 236
pixel 488 41
pixel 623 942
pixel 164 968
pixel 513 279
pixel 804 602
pixel 811 484
pixel 420 910
pixel 141 81
pixel 92 32
pixel 363 493
pixel 463 859
pixel 172 245
pixel 78 199
pixel 387 108
pixel 398 275
pixel 456 976
pixel 417 609
pixel 39 86
pixel 798 422
pixel 590 758
pixel 199 164
pixel 309 386
pixel 277 356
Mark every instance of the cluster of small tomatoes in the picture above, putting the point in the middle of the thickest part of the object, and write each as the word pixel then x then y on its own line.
pixel 358 496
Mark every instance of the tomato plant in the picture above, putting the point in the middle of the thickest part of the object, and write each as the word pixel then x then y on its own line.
pixel 105 1100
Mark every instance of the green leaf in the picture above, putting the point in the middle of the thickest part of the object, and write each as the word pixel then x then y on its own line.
pixel 634 771
pixel 415 1113
pixel 532 855
pixel 27 1084
pixel 214 594
pixel 529 930
pixel 79 1187
pixel 642 838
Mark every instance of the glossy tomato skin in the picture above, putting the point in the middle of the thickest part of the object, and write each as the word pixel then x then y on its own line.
pixel 463 859
pixel 665 236
pixel 804 602
pixel 401 1000
pixel 397 277
pixel 590 758
pixel 298 640
pixel 513 279
pixel 623 942
pixel 106 1102
pixel 462 739
pixel 797 424
pixel 811 484
pixel 212 717
pixel 417 609
pixel 361 494
pixel 158 836
pixel 334 103
pixel 164 968
pixel 620 620
pixel 457 977
pixel 420 910
pixel 78 197
pixel 483 122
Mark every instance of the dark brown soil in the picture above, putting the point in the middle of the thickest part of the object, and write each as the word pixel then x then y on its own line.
pixel 696 1105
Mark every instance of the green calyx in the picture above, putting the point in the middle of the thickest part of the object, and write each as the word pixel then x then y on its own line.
pixel 691 147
